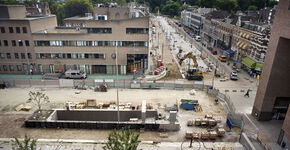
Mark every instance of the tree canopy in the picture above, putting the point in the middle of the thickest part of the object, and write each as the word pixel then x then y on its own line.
pixel 77 7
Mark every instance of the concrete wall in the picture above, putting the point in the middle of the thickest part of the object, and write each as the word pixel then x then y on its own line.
pixel 102 115
pixel 275 81
pixel 113 13
pixel 246 142
pixel 12 11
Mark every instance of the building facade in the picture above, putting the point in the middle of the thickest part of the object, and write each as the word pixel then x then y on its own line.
pixel 17 54
pixel 94 44
pixel 273 97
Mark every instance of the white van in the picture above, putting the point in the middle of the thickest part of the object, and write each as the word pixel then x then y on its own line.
pixel 197 38
pixel 75 74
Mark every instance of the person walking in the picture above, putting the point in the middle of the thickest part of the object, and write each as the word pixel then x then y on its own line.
pixel 247 93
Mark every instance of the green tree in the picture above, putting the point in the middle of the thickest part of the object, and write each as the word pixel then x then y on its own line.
pixel 38 99
pixel 59 10
pixel 171 8
pixel 252 7
pixel 208 3
pixel 126 139
pixel 228 5
pixel 27 144
pixel 77 7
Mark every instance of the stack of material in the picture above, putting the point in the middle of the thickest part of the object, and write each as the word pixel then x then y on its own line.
pixel 212 122
pixel 22 107
pixel 221 131
pixel 212 135
pixel 204 122
pixel 91 102
pixel 204 135
pixel 163 135
pixel 195 135
pixel 188 135
pixel 189 123
pixel 198 108
pixel 197 122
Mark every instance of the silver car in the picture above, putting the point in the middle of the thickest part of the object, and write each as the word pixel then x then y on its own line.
pixel 75 74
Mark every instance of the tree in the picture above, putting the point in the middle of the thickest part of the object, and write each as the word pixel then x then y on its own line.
pixel 77 7
pixel 26 144
pixel 38 99
pixel 252 7
pixel 208 3
pixel 126 139
pixel 228 5
pixel 171 8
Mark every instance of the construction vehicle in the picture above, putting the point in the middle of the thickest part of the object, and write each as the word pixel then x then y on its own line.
pixel 192 73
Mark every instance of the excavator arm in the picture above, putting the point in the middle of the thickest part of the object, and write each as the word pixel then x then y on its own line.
pixel 189 55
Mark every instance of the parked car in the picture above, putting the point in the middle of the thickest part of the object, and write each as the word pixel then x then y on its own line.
pixel 234 75
pixel 197 38
pixel 222 58
pixel 236 69
pixel 75 74
pixel 214 52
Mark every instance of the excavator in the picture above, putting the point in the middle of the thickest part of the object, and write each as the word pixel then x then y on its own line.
pixel 192 73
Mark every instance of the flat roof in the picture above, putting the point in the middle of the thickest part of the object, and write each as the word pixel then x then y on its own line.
pixel 27 18
pixel 63 30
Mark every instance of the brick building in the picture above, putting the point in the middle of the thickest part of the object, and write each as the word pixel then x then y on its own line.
pixel 90 43
pixel 273 97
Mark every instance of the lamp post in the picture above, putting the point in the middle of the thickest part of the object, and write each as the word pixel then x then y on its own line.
pixel 117 69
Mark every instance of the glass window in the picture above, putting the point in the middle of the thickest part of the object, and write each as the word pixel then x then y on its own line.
pixel 29 55
pixel 5 43
pixel 68 56
pixel 27 43
pixel 22 56
pixel 17 29
pixel 8 55
pixel 11 67
pixel 24 29
pixel 5 68
pixel 20 43
pixel 16 55
pixel 13 43
pixel 2 55
pixel 19 68
pixel 2 29
pixel 11 30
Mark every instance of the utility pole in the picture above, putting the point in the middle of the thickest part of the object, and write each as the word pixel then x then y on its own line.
pixel 117 69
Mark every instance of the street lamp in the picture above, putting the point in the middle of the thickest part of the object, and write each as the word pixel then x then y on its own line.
pixel 117 69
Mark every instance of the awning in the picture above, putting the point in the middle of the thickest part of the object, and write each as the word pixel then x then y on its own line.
pixel 238 43
pixel 248 36
pixel 259 66
pixel 249 62
pixel 229 51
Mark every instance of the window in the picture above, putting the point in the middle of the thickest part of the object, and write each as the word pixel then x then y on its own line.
pixel 19 68
pixel 24 29
pixel 16 55
pixel 13 43
pixel 2 55
pixel 22 56
pixel 42 43
pixel 27 43
pixel 11 30
pixel 5 68
pixel 20 43
pixel 2 29
pixel 100 30
pixel 137 30
pixel 8 55
pixel 5 43
pixel 0 43
pixel 29 55
pixel 17 29
pixel 11 67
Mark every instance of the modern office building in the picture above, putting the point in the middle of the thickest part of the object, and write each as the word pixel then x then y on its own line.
pixel 16 41
pixel 95 43
pixel 273 96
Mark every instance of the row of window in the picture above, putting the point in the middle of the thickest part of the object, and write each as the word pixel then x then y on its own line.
pixel 15 43
pixel 69 56
pixel 11 67
pixel 11 30
pixel 92 43
pixel 137 30
pixel 100 30
pixel 16 55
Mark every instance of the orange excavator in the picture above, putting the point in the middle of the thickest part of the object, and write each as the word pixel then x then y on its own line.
pixel 192 73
